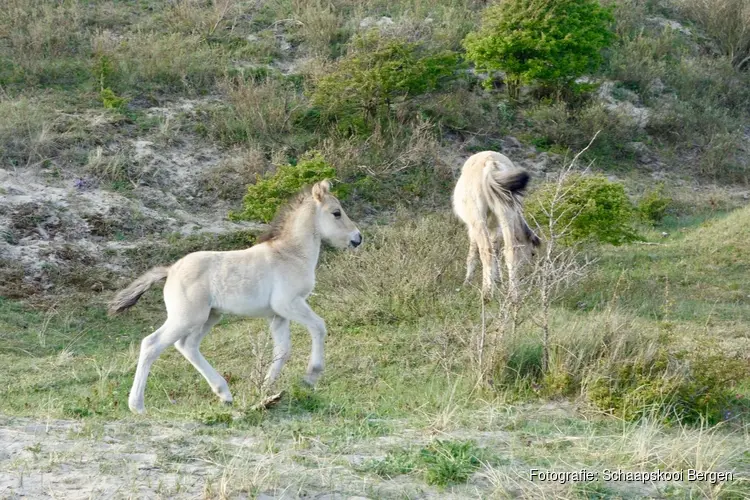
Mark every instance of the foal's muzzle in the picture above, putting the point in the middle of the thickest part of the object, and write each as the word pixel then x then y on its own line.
pixel 356 240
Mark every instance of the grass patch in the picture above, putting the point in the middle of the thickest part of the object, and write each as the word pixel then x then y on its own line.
pixel 441 463
pixel 403 337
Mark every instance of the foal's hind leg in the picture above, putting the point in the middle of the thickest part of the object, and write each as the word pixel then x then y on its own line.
pixel 189 347
pixel 281 348
pixel 151 347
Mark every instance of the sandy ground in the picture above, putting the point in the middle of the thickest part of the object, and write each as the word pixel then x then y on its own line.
pixel 65 459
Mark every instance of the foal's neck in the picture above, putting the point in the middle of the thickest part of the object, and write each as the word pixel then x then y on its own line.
pixel 301 237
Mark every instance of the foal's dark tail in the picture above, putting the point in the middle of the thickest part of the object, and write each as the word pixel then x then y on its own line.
pixel 127 298
pixel 505 188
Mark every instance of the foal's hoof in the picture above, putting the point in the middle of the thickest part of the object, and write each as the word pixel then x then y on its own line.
pixel 137 409
pixel 313 374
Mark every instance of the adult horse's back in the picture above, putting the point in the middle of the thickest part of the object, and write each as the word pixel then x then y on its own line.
pixel 487 198
pixel 271 279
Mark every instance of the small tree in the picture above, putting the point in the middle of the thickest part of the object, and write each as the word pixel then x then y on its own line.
pixel 550 41
pixel 378 72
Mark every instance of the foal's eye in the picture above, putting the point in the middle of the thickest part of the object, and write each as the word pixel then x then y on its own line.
pixel 337 214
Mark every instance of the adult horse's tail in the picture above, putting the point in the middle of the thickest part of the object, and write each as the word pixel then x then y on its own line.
pixel 128 297
pixel 502 188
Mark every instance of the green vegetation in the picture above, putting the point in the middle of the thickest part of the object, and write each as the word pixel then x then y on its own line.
pixel 264 198
pixel 441 463
pixel 653 205
pixel 590 208
pixel 402 348
pixel 547 41
pixel 687 386
pixel 130 128
pixel 377 74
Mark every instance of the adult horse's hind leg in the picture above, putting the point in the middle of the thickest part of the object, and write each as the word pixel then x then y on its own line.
pixel 471 259
pixel 281 348
pixel 189 346
pixel 151 347
pixel 479 232
pixel 498 243
pixel 510 251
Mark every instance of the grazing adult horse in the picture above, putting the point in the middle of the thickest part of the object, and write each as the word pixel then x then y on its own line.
pixel 271 279
pixel 487 198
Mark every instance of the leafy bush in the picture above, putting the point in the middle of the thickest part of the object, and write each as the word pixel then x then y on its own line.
pixel 268 193
pixel 592 208
pixel 377 73
pixel 652 207
pixel 550 41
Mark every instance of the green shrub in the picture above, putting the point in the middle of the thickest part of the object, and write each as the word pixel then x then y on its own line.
pixel 377 73
pixel 105 71
pixel 591 208
pixel 268 193
pixel 549 41
pixel 652 207
pixel 213 417
pixel 686 387
pixel 110 100
pixel 449 462
pixel 441 463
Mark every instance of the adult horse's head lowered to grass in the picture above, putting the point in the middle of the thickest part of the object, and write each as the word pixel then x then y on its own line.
pixel 271 279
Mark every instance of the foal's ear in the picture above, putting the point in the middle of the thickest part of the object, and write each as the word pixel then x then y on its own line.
pixel 321 189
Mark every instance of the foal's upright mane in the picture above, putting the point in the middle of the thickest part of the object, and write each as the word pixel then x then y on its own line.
pixel 284 216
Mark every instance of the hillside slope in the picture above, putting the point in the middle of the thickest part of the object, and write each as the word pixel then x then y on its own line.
pixel 146 121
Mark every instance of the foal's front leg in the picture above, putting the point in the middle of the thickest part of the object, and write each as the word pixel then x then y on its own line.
pixel 298 310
